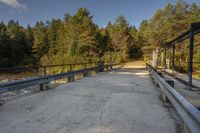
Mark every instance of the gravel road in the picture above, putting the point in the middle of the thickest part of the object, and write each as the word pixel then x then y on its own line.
pixel 121 101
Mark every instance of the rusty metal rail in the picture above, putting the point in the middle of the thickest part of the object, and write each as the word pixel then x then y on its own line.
pixel 189 113
pixel 44 68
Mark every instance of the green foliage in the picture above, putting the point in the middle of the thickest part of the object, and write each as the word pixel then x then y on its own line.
pixel 74 39
pixel 4 45
pixel 81 34
pixel 14 45
pixel 123 38
pixel 167 24
pixel 77 38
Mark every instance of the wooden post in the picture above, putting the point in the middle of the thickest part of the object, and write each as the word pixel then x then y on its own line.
pixel 70 67
pixel 45 70
pixel 165 62
pixel 173 56
pixel 101 66
pixel 190 67
pixel 170 82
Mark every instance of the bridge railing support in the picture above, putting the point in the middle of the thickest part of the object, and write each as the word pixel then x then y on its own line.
pixel 86 74
pixel 43 86
pixel 164 96
pixel 71 78
pixel 189 113
pixel 190 65
pixel 44 81
pixel 190 34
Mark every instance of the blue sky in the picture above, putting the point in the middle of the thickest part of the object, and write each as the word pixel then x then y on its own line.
pixel 30 11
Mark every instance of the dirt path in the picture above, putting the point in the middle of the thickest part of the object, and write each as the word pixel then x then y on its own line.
pixel 122 101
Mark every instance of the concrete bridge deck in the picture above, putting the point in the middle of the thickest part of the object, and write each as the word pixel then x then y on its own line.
pixel 121 101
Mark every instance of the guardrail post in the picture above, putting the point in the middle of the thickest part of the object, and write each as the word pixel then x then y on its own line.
pixel 43 86
pixel 164 98
pixel 85 74
pixel 160 74
pixel 71 79
pixel 171 83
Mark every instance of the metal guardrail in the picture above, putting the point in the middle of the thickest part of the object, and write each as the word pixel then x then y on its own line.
pixel 189 113
pixel 42 80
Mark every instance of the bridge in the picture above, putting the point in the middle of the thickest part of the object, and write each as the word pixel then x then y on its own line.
pixel 113 98
pixel 121 100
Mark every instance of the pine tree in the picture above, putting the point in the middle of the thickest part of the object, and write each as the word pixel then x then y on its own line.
pixel 41 45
